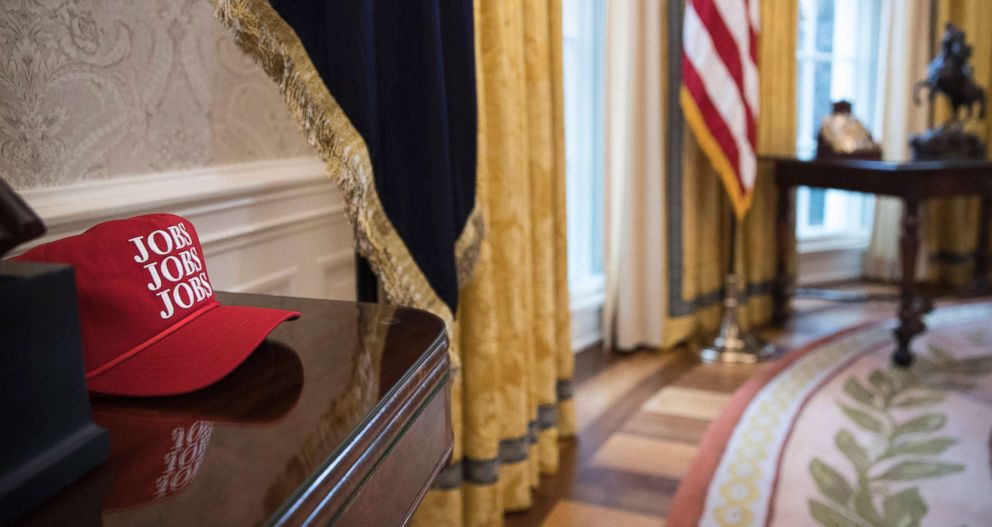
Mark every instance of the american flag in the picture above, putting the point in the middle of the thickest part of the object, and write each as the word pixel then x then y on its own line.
pixel 719 94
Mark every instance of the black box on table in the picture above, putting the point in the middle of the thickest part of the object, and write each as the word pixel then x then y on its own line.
pixel 48 439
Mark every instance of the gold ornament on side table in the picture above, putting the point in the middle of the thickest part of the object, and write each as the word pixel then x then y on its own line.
pixel 842 135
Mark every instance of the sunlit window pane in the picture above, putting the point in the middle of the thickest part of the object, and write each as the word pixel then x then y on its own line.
pixel 582 28
pixel 825 26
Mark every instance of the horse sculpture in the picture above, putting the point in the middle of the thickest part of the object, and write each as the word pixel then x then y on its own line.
pixel 949 73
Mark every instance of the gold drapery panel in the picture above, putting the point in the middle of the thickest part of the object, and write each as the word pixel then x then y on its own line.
pixel 951 228
pixel 698 212
pixel 513 329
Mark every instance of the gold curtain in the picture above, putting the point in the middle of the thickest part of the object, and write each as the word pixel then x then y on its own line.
pixel 951 227
pixel 696 258
pixel 514 391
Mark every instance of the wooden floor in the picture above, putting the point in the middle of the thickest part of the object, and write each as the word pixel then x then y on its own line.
pixel 641 417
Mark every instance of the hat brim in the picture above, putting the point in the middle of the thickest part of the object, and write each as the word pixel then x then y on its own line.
pixel 197 355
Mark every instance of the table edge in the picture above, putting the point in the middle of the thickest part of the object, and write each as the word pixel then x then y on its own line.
pixel 328 491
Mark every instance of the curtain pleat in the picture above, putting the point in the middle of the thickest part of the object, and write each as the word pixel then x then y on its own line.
pixel 951 225
pixel 636 65
pixel 513 393
pixel 902 60
pixel 698 238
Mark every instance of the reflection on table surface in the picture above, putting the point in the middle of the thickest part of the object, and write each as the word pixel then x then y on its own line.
pixel 235 452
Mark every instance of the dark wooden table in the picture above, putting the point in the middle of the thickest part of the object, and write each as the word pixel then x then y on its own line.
pixel 912 182
pixel 341 417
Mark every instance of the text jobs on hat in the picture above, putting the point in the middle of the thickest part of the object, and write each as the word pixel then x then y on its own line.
pixel 177 279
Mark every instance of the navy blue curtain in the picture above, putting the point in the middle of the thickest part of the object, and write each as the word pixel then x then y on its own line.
pixel 403 71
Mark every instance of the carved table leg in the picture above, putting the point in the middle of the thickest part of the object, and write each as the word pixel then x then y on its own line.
pixel 980 280
pixel 910 312
pixel 784 229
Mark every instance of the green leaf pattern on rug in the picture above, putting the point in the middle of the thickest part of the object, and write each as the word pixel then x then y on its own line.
pixel 901 451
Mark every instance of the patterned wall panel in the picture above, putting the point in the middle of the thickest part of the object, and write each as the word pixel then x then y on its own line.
pixel 96 89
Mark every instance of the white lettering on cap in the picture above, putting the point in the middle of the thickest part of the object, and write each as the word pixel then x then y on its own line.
pixel 178 279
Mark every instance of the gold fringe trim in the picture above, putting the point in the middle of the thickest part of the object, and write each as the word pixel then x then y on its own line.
pixel 469 245
pixel 261 33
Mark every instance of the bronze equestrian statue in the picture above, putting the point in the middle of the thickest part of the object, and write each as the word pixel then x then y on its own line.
pixel 950 74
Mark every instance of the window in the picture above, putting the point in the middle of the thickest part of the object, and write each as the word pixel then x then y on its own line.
pixel 836 55
pixel 582 32
pixel 583 45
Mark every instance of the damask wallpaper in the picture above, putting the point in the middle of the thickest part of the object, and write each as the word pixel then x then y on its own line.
pixel 96 89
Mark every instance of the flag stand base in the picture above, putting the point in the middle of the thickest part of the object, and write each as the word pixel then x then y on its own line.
pixel 733 344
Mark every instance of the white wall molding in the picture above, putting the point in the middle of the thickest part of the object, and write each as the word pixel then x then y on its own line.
pixel 266 226
pixel 277 283
pixel 199 190
pixel 586 306
pixel 247 235
pixel 830 265
pixel 831 259
pixel 337 273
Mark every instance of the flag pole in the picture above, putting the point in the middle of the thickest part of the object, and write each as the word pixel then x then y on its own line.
pixel 734 344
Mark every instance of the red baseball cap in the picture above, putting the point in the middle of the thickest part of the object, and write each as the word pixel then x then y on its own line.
pixel 151 323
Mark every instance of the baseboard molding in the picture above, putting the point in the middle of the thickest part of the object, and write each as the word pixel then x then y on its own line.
pixel 587 327
pixel 831 265
pixel 268 226
pixel 586 308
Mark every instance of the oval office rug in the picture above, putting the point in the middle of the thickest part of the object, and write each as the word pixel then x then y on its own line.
pixel 834 435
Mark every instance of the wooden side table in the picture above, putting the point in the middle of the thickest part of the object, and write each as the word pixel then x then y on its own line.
pixel 913 182
pixel 341 417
